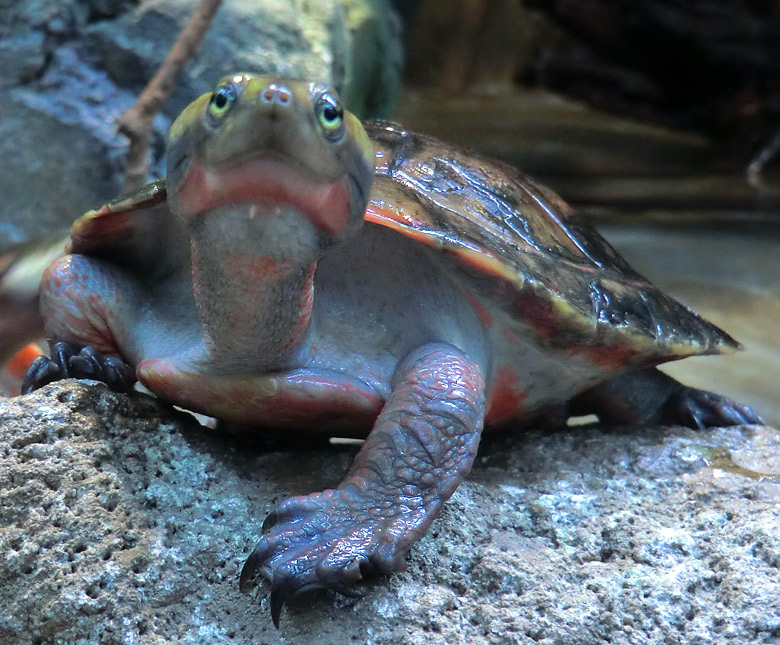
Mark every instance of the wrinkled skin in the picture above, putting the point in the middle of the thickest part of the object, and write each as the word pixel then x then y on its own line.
pixel 262 297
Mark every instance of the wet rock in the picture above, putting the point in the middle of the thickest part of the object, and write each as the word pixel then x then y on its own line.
pixel 71 68
pixel 122 521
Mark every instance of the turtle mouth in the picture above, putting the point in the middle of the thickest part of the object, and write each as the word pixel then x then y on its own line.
pixel 266 181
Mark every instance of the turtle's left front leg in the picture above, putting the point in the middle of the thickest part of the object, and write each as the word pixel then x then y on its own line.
pixel 422 446
pixel 90 309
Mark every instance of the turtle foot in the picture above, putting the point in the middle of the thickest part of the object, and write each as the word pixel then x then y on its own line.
pixel 651 397
pixel 421 447
pixel 329 540
pixel 88 363
pixel 702 409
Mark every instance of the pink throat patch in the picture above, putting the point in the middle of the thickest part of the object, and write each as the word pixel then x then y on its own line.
pixel 263 179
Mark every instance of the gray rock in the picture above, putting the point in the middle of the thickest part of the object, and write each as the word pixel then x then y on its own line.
pixel 122 521
pixel 60 145
pixel 353 44
pixel 71 68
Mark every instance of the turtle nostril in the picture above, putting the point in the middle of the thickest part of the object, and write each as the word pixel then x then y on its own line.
pixel 276 94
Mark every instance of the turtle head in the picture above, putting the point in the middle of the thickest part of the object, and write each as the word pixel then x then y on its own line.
pixel 265 174
pixel 265 147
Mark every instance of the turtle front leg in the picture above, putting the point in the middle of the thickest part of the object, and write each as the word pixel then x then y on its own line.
pixel 87 306
pixel 420 449
pixel 651 397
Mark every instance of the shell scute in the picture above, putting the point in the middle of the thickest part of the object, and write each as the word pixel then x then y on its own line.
pixel 116 222
pixel 528 253
pixel 135 230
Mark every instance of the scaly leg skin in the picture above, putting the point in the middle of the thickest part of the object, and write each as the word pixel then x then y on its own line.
pixel 420 449
pixel 650 397
pixel 84 301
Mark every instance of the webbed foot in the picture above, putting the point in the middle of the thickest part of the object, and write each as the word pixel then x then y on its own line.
pixel 651 397
pixel 422 446
pixel 329 540
pixel 702 409
pixel 67 361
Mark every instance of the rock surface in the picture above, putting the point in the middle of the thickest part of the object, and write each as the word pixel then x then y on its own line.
pixel 122 521
pixel 70 68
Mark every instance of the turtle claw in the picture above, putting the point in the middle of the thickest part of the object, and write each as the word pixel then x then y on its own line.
pixel 45 370
pixel 87 363
pixel 321 541
pixel 279 591
pixel 702 409
pixel 252 565
pixel 271 520
pixel 42 371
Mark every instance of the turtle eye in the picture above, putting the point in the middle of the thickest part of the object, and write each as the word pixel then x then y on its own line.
pixel 221 102
pixel 330 116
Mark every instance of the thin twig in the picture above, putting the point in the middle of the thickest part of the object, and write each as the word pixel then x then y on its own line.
pixel 136 123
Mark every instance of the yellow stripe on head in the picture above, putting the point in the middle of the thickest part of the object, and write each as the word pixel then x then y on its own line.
pixel 191 114
pixel 357 133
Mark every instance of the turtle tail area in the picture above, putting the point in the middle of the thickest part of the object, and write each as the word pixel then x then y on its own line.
pixel 637 325
pixel 712 340
pixel 677 331
pixel 617 321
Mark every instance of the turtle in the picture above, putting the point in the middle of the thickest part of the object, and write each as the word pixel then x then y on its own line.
pixel 298 269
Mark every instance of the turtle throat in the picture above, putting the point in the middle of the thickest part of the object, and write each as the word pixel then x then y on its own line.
pixel 253 269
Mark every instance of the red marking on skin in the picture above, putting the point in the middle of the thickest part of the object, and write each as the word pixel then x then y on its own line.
pixel 250 267
pixel 538 313
pixel 313 402
pixel 264 179
pixel 305 305
pixel 483 313
pixel 507 398
pixel 81 315
pixel 511 338
pixel 612 357
pixel 503 285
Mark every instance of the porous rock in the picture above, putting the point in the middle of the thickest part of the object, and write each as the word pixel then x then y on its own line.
pixel 70 68
pixel 123 521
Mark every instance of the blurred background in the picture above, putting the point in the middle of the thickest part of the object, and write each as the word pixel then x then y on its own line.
pixel 659 120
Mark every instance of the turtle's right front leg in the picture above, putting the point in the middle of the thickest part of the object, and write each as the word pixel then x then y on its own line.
pixel 420 449
pixel 87 306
